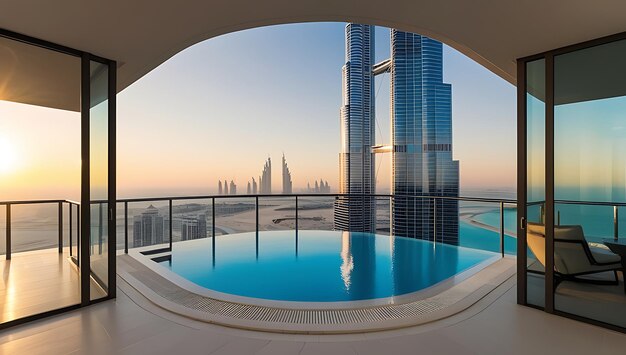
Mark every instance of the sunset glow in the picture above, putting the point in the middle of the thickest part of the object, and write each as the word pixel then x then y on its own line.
pixel 8 156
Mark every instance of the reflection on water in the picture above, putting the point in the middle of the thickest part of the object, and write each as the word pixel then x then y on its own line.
pixel 347 264
pixel 328 266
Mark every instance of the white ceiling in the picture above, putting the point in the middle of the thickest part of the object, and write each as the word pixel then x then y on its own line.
pixel 142 34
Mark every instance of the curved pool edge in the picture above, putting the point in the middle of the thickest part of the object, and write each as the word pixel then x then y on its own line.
pixel 190 286
pixel 169 296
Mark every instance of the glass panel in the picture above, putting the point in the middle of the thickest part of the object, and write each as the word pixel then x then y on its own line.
pixel 590 177
pixel 383 215
pixel 234 215
pixel 479 227
pixel 277 213
pixel 39 160
pixel 148 225
pixel 192 220
pixel 535 175
pixel 99 174
pixel 316 213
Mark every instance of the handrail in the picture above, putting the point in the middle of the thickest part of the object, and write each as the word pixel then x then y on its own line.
pixel 254 199
pixel 170 199
pixel 60 203
pixel 201 197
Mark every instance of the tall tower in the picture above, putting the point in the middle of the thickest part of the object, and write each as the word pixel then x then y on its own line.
pixel 287 183
pixel 422 164
pixel 356 162
pixel 265 180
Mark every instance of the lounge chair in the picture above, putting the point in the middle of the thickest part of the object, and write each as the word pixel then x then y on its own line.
pixel 573 257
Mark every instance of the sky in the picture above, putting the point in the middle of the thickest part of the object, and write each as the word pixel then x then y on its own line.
pixel 218 109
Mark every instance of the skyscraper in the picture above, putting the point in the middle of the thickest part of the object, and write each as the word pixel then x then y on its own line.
pixel 225 187
pixel 356 161
pixel 265 180
pixel 193 227
pixel 254 187
pixel 233 188
pixel 287 183
pixel 219 187
pixel 422 164
pixel 249 191
pixel 148 228
pixel 421 147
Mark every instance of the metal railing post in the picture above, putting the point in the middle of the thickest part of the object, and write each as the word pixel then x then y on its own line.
pixel 8 232
pixel 60 227
pixel 502 228
pixel 70 228
pixel 213 217
pixel 171 224
pixel 615 223
pixel 256 205
pixel 100 225
pixel 257 225
pixel 213 228
pixel 434 220
pixel 296 225
pixel 78 235
pixel 296 215
pixel 126 227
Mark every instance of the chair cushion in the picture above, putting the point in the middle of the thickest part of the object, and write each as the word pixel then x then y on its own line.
pixel 604 256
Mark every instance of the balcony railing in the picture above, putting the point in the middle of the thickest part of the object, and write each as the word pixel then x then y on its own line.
pixel 299 203
pixel 60 203
pixel 255 202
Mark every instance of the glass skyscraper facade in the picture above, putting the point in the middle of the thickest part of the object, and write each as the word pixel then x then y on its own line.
pixel 356 161
pixel 421 115
pixel 422 164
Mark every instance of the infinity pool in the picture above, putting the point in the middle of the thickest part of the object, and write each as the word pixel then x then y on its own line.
pixel 318 266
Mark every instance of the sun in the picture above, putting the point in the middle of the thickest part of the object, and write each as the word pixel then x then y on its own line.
pixel 8 156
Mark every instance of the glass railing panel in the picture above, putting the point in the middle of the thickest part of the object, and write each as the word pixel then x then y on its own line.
pixel 234 215
pixel 596 221
pixel 192 219
pixel 120 225
pixel 34 227
pixel 277 213
pixel 316 212
pixel 383 215
pixel 479 227
pixel 148 224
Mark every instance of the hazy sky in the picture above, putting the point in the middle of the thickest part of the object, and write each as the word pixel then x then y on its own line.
pixel 218 109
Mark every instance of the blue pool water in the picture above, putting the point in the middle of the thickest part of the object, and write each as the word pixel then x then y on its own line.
pixel 323 266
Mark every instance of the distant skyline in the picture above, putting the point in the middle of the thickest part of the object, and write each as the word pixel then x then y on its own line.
pixel 217 109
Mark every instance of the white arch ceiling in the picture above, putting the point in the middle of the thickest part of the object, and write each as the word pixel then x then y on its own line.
pixel 142 34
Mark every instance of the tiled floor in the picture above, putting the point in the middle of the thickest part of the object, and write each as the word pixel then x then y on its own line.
pixel 38 281
pixel 132 325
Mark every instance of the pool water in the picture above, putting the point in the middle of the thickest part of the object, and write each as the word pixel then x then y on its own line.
pixel 318 266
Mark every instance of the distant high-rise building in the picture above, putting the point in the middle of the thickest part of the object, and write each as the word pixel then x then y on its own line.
pixel 422 164
pixel 148 227
pixel 249 190
pixel 287 183
pixel 225 187
pixel 265 180
pixel 318 187
pixel 233 188
pixel 193 227
pixel 254 187
pixel 219 187
pixel 356 161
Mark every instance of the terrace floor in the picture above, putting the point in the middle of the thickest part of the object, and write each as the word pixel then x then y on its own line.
pixel 131 324
pixel 38 281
